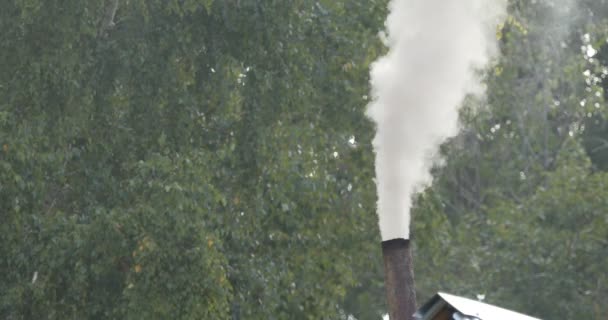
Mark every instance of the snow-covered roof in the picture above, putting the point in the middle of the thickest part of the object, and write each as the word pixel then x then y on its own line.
pixel 467 307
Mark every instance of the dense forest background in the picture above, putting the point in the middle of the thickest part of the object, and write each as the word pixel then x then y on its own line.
pixel 201 159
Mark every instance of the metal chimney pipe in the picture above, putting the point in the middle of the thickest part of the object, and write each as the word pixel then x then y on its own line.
pixel 399 279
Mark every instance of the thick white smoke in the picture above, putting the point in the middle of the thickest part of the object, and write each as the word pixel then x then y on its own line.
pixel 436 48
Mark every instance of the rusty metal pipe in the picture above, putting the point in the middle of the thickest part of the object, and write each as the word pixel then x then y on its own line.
pixel 399 279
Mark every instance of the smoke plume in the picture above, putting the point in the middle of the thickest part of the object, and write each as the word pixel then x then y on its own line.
pixel 436 49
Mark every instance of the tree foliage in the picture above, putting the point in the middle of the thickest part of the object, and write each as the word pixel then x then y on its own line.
pixel 185 159
pixel 205 159
pixel 518 212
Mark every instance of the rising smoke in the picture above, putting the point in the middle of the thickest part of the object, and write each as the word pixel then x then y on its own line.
pixel 436 49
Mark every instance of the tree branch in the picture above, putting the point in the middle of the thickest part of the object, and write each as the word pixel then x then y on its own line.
pixel 107 22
